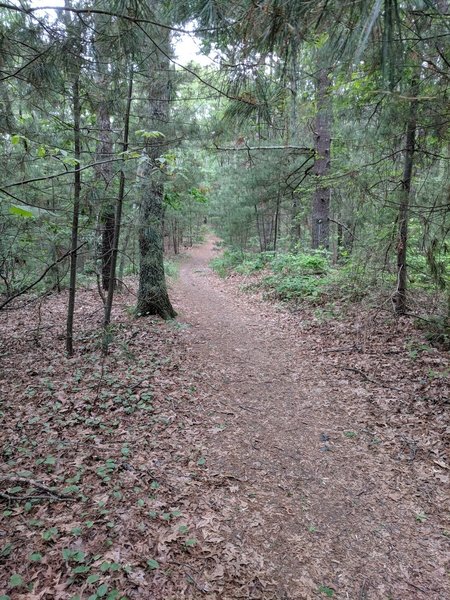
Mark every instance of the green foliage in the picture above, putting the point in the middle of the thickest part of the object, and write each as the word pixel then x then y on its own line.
pixel 171 268
pixel 291 276
pixel 16 581
pixel 286 287
pixel 227 262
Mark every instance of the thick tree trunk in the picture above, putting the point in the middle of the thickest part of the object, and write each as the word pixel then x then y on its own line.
pixel 403 211
pixel 153 298
pixel 320 226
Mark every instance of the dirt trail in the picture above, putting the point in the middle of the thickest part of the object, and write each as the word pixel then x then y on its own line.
pixel 306 485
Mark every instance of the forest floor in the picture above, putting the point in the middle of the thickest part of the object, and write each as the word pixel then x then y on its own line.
pixel 242 451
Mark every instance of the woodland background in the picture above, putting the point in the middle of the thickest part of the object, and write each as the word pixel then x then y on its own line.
pixel 313 150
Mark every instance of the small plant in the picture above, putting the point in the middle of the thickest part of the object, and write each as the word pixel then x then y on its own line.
pixel 421 517
pixel 50 535
pixel 16 581
pixel 327 591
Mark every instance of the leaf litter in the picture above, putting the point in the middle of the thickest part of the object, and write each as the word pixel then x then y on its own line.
pixel 250 451
pixel 104 487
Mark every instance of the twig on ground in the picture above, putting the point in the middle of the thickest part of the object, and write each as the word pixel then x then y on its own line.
pixel 416 587
pixel 53 498
pixel 366 378
pixel 31 483
pixel 352 349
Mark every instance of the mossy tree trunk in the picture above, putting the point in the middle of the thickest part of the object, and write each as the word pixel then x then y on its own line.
pixel 153 298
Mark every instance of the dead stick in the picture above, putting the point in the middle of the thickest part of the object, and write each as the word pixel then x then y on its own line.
pixel 33 483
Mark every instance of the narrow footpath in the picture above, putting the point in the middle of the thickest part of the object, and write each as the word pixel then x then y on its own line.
pixel 302 476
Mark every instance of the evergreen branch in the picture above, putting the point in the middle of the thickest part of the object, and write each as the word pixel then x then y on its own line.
pixel 29 287
pixel 108 13
pixel 56 175
pixel 287 147
pixel 30 62
pixel 191 72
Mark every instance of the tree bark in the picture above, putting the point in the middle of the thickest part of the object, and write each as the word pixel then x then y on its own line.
pixel 104 175
pixel 403 212
pixel 153 298
pixel 117 222
pixel 75 216
pixel 104 152
pixel 320 226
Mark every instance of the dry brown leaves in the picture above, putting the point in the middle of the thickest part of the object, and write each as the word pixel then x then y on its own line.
pixel 104 486
pixel 256 449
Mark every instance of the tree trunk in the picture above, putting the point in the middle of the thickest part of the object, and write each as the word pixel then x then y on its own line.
pixel 403 211
pixel 104 176
pixel 117 222
pixel 104 168
pixel 75 216
pixel 320 226
pixel 153 298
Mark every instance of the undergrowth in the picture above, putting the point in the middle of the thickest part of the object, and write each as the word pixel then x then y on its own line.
pixel 283 276
pixel 311 277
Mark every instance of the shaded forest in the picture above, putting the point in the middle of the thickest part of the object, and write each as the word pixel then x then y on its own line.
pixel 153 201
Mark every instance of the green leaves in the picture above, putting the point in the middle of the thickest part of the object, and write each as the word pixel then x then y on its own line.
pixel 20 211
pixel 29 212
pixel 152 564
pixel 149 134
pixel 108 566
pixel 6 550
pixel 70 554
pixel 16 581
pixel 50 534
pixel 35 557
pixel 16 139
pixel 421 517
pixel 81 569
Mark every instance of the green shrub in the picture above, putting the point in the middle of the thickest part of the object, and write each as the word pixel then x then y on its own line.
pixel 255 262
pixel 227 262
pixel 171 268
pixel 314 263
pixel 294 287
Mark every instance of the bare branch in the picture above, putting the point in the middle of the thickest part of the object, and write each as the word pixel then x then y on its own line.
pixel 29 287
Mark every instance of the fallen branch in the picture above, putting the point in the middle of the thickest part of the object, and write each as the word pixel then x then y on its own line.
pixel 32 483
pixel 11 498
